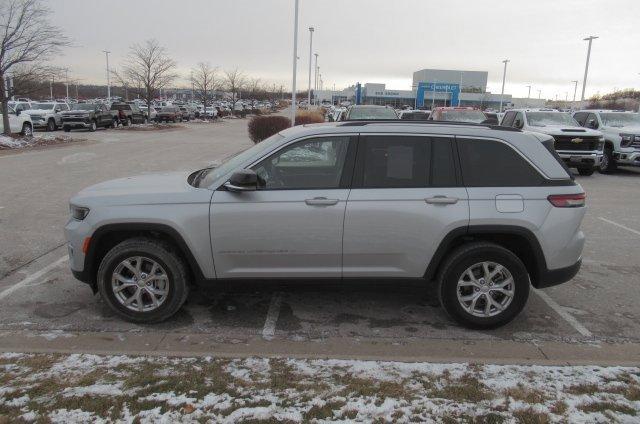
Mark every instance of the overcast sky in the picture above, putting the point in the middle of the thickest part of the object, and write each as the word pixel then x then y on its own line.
pixel 369 40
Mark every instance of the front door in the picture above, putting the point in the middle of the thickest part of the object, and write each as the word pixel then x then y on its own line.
pixel 406 197
pixel 292 225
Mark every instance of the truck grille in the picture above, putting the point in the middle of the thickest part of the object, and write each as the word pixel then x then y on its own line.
pixel 636 142
pixel 565 143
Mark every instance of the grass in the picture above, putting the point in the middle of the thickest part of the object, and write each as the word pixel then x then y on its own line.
pixel 605 406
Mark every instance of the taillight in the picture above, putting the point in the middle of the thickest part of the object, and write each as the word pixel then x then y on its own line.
pixel 567 200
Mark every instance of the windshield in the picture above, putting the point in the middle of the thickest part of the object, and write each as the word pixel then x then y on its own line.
pixel 357 113
pixel 463 116
pixel 84 106
pixel 542 119
pixel 43 106
pixel 231 163
pixel 620 119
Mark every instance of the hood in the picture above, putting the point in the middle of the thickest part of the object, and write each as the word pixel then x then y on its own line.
pixel 76 111
pixel 566 130
pixel 38 111
pixel 143 190
pixel 629 129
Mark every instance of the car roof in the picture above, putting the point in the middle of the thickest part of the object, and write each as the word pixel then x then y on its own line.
pixel 534 109
pixel 605 111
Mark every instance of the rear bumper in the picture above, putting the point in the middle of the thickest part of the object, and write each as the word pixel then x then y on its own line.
pixel 553 277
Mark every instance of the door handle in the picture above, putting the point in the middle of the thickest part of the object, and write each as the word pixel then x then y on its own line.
pixel 321 201
pixel 441 200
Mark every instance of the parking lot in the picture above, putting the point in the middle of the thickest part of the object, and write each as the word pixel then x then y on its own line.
pixel 38 295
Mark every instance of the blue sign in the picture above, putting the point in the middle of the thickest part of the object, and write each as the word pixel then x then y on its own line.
pixel 358 93
pixel 438 87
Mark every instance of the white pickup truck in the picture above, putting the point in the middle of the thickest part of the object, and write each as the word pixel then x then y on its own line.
pixel 19 123
pixel 47 115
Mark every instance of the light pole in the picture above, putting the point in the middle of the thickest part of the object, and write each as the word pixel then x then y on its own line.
pixel 51 89
pixel 315 73
pixel 66 71
pixel 586 67
pixel 539 94
pixel 460 91
pixel 192 87
pixel 106 53
pixel 529 94
pixel 575 89
pixel 310 60
pixel 504 76
pixel 295 64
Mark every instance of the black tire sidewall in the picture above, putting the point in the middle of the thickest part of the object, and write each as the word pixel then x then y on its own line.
pixel 449 280
pixel 610 162
pixel 176 294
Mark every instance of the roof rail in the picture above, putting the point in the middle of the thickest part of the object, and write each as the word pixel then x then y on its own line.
pixel 425 122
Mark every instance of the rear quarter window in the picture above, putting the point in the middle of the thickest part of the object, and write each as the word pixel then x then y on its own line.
pixel 490 163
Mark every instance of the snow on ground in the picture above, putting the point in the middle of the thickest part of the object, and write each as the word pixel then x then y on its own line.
pixel 38 139
pixel 91 388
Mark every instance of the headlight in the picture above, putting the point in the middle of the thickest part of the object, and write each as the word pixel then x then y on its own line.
pixel 626 139
pixel 78 213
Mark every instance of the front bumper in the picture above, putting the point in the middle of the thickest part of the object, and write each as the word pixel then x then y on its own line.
pixel 581 158
pixel 76 124
pixel 627 158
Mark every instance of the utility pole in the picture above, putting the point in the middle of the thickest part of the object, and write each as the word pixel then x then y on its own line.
pixel 529 94
pixel 295 64
pixel 575 89
pixel 504 76
pixel 66 71
pixel 106 53
pixel 586 67
pixel 539 94
pixel 51 89
pixel 310 60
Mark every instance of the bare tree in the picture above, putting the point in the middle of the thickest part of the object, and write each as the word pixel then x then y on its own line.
pixel 235 82
pixel 205 81
pixel 149 67
pixel 254 85
pixel 27 40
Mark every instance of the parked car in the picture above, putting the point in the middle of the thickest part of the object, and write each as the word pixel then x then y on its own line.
pixel 621 132
pixel 128 114
pixel 580 148
pixel 89 116
pixel 150 117
pixel 459 114
pixel 47 115
pixel 169 113
pixel 187 113
pixel 370 113
pixel 19 123
pixel 412 201
pixel 19 106
pixel 414 115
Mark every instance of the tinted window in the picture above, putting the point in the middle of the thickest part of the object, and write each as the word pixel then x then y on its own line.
pixel 395 161
pixel 507 121
pixel 519 121
pixel 581 117
pixel 312 163
pixel 443 169
pixel 488 163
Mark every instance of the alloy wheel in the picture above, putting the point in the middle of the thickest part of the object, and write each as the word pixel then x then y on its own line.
pixel 485 289
pixel 140 284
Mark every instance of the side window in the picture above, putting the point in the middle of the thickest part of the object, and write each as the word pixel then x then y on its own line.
pixel 518 122
pixel 592 121
pixel 581 117
pixel 507 121
pixel 395 161
pixel 312 163
pixel 443 168
pixel 488 163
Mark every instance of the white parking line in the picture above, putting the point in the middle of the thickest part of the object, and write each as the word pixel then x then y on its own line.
pixel 563 313
pixel 631 230
pixel 30 278
pixel 269 328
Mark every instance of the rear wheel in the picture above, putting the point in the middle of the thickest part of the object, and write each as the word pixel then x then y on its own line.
pixel 51 125
pixel 93 126
pixel 27 129
pixel 483 285
pixel 586 171
pixel 127 122
pixel 143 280
pixel 608 162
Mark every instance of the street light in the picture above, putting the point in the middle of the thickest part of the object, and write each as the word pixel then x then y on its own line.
pixel 295 65
pixel 310 60
pixel 529 95
pixel 66 71
pixel 504 76
pixel 586 67
pixel 575 89
pixel 315 73
pixel 106 53
pixel 539 94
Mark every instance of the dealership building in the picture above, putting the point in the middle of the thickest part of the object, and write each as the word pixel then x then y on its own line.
pixel 430 88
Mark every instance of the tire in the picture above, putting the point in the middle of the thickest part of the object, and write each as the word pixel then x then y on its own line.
pixel 176 286
pixel 51 125
pixel 586 171
pixel 127 122
pixel 114 123
pixel 66 129
pixel 27 130
pixel 145 120
pixel 471 256
pixel 175 120
pixel 94 126
pixel 608 163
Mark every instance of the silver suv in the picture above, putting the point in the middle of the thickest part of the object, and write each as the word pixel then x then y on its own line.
pixel 481 211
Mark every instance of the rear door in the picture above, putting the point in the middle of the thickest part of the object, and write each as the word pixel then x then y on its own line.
pixel 406 196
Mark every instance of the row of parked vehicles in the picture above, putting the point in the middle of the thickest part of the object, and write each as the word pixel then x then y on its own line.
pixel 587 140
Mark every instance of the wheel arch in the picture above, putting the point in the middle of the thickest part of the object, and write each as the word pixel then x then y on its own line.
pixel 519 240
pixel 109 235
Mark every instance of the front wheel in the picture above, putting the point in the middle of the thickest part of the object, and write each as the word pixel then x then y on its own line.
pixel 483 285
pixel 586 171
pixel 27 129
pixel 51 125
pixel 143 280
pixel 608 162
pixel 93 126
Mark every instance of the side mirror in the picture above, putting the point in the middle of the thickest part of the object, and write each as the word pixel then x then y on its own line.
pixel 592 124
pixel 243 180
pixel 18 112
